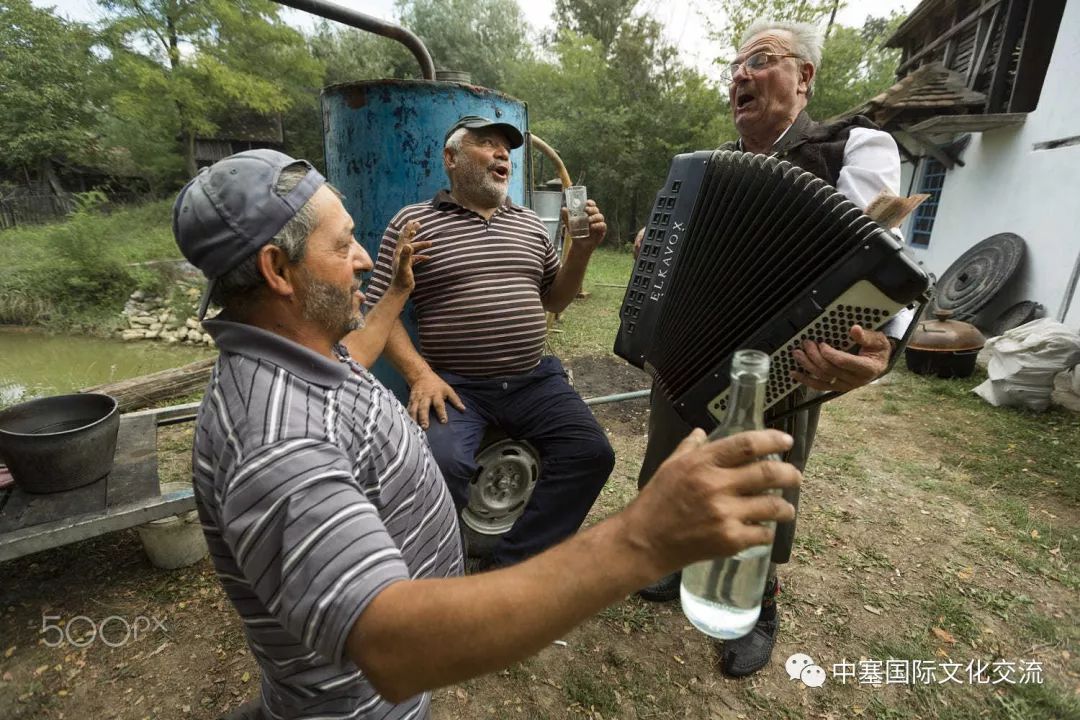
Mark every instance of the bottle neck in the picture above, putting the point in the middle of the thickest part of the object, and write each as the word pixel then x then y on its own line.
pixel 746 403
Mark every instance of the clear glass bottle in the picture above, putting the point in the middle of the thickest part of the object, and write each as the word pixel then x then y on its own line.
pixel 722 597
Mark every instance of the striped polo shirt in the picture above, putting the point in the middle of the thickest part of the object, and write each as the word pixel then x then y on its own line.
pixel 479 298
pixel 315 490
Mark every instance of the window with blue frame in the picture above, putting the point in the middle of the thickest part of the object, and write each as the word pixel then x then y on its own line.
pixel 933 178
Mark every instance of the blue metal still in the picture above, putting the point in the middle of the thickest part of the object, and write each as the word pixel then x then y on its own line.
pixel 384 149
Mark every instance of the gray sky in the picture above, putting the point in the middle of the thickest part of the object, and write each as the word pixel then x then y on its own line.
pixel 681 18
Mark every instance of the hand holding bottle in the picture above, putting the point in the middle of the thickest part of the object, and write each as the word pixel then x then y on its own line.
pixel 704 501
pixel 722 597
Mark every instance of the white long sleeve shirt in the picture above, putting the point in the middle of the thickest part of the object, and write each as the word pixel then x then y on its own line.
pixel 871 164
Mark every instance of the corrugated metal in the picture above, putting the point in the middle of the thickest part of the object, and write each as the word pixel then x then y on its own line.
pixel 384 145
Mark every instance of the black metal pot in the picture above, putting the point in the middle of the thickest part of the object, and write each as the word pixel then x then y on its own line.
pixel 943 363
pixel 59 443
pixel 944 347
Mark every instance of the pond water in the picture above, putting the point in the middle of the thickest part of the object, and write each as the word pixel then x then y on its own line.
pixel 35 364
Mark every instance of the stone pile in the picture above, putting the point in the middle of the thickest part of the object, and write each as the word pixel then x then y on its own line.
pixel 149 317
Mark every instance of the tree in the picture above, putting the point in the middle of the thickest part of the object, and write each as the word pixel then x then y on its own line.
pixel 618 114
pixel 45 68
pixel 351 55
pixel 854 66
pixel 738 15
pixel 481 37
pixel 600 19
pixel 193 60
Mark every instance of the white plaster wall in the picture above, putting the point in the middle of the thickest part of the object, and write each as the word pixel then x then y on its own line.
pixel 1007 186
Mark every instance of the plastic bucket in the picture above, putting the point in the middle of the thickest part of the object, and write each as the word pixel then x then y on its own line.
pixel 174 542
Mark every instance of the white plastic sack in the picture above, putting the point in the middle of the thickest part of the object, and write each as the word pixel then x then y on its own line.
pixel 1067 389
pixel 1024 361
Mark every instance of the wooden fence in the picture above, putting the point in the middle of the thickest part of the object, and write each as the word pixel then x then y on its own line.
pixel 33 209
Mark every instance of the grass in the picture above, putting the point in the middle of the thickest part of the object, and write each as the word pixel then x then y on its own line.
pixel 1003 463
pixel 1016 472
pixel 589 325
pixel 634 615
pixel 77 274
pixel 590 692
pixel 1020 451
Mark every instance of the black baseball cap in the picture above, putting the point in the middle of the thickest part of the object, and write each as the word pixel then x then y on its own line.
pixel 231 209
pixel 475 122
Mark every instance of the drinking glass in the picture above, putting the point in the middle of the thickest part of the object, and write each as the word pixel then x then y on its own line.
pixel 578 222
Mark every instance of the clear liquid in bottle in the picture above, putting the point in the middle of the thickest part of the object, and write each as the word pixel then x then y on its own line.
pixel 722 597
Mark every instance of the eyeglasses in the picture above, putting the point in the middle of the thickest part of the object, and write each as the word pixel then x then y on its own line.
pixel 757 61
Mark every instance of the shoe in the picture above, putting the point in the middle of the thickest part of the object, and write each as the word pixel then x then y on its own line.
pixel 748 654
pixel 665 589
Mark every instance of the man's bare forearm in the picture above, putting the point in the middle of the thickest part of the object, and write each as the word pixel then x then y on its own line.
pixel 425 634
pixel 568 281
pixel 367 344
pixel 403 355
pixel 704 501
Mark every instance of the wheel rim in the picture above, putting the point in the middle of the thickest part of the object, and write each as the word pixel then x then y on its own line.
pixel 506 475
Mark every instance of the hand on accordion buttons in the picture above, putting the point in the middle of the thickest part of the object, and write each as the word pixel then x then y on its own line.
pixel 827 368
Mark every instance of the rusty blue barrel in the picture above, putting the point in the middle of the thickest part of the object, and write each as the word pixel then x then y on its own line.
pixel 384 148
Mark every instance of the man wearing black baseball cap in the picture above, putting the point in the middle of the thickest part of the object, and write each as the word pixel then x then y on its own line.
pixel 481 306
pixel 328 522
pixel 514 138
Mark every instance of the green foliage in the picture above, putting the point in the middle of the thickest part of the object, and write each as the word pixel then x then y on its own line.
pixel 80 272
pixel 481 37
pixel 740 14
pixel 191 64
pixel 618 114
pixel 854 66
pixel 599 19
pixel 45 64
pixel 350 55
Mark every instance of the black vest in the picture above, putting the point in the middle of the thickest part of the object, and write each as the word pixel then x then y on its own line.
pixel 815 147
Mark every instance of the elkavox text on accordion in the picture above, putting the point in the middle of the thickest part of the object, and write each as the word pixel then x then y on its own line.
pixel 747 251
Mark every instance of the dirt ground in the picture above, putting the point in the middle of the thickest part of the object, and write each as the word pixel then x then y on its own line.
pixel 906 551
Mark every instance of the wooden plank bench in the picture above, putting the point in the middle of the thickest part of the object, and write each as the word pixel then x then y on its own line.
pixel 128 496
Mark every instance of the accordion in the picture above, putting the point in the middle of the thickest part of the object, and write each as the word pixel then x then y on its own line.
pixel 747 251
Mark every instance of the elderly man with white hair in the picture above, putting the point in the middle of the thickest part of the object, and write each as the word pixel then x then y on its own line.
pixel 770 82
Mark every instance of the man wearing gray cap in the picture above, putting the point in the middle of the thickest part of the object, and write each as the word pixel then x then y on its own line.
pixel 480 306
pixel 328 522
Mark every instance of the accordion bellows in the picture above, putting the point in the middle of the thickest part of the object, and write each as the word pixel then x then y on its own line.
pixel 747 251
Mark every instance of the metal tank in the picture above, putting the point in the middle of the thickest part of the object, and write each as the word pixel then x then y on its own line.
pixel 384 149
pixel 383 141
pixel 547 203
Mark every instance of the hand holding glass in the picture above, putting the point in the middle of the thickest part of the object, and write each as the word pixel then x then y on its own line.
pixel 578 219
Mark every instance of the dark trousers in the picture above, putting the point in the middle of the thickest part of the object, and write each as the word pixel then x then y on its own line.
pixel 541 408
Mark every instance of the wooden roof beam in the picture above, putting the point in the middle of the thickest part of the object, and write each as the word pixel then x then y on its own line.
pixel 932 149
pixel 986 7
